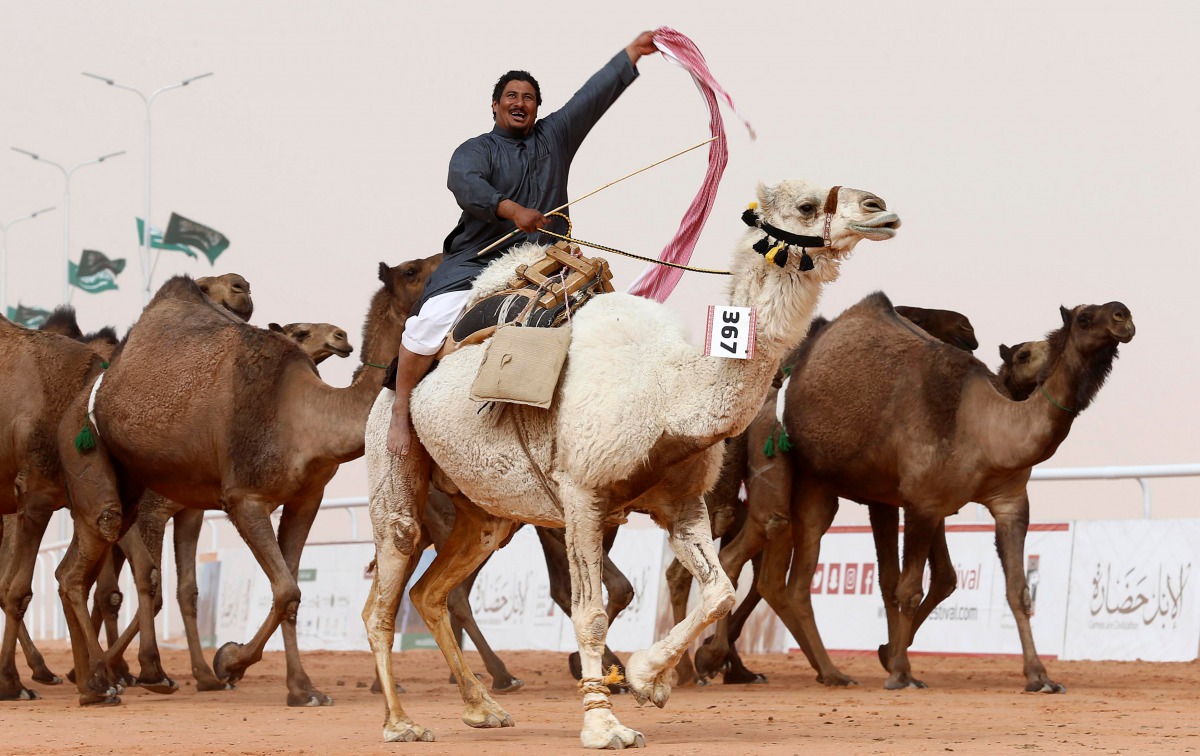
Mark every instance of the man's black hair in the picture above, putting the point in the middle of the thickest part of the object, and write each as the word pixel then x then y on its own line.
pixel 502 82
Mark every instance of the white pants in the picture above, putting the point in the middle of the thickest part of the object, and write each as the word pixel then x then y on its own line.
pixel 425 332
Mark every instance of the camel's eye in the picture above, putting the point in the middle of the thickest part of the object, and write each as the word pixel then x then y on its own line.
pixel 1084 320
pixel 1023 357
pixel 807 208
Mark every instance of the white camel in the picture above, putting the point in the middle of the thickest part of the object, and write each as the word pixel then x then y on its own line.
pixel 636 426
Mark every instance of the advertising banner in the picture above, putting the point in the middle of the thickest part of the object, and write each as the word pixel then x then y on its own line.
pixel 1132 592
pixel 976 618
pixel 333 586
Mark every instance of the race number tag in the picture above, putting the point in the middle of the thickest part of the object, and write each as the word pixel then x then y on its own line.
pixel 730 332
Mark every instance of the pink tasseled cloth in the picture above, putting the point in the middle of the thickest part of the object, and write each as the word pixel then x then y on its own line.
pixel 658 281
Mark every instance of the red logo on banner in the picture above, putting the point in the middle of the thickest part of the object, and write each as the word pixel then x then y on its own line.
pixel 868 578
pixel 834 582
pixel 850 580
pixel 818 581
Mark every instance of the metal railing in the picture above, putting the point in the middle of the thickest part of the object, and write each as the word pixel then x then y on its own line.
pixel 44 617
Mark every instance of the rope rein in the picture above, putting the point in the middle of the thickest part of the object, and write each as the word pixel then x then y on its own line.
pixel 603 248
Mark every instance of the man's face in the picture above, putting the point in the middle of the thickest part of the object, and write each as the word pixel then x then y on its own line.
pixel 517 108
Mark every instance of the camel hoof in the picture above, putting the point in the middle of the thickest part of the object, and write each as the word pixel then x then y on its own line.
pixel 47 677
pixel 207 684
pixel 309 699
pixel 836 680
pixel 486 714
pixel 710 662
pixel 224 663
pixel 902 685
pixel 165 686
pixel 95 699
pixel 514 684
pixel 407 733
pixel 20 694
pixel 606 733
pixel 1046 686
pixel 645 683
pixel 744 678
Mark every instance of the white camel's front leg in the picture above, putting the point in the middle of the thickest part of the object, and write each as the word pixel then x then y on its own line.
pixel 650 671
pixel 395 520
pixel 585 553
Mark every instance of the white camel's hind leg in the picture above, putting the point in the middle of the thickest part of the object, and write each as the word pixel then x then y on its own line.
pixel 649 671
pixel 585 554
pixel 396 509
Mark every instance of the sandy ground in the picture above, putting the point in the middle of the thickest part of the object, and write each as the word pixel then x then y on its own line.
pixel 973 705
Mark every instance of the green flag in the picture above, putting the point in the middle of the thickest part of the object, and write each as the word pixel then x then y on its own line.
pixel 156 240
pixel 30 317
pixel 180 230
pixel 95 272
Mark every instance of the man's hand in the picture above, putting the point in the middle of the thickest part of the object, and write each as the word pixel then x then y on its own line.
pixel 643 45
pixel 528 220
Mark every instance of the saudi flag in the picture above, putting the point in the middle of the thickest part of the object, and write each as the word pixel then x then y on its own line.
pixel 180 230
pixel 95 272
pixel 30 317
pixel 156 240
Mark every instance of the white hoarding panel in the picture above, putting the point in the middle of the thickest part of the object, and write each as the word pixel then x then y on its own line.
pixel 1132 593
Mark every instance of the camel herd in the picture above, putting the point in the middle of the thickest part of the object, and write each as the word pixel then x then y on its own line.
pixel 196 409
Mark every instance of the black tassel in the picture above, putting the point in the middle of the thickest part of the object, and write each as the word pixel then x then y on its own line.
pixel 806 262
pixel 762 245
pixel 749 217
pixel 781 257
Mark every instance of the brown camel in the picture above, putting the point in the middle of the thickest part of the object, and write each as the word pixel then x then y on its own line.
pixel 764 516
pixel 142 546
pixel 767 533
pixel 250 430
pixel 34 456
pixel 939 435
pixel 231 290
pixel 318 340
pixel 40 371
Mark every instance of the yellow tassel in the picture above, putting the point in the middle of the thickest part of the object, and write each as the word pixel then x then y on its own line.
pixel 774 251
pixel 752 206
pixel 614 676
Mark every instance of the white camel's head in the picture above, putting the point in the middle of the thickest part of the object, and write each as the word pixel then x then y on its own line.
pixel 840 217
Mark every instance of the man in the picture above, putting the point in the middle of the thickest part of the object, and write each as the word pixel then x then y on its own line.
pixel 502 179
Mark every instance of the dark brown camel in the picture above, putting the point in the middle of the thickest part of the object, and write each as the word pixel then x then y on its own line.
pixel 764 516
pixel 768 512
pixel 264 432
pixel 917 401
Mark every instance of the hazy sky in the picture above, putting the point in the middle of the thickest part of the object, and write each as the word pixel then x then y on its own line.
pixel 1039 153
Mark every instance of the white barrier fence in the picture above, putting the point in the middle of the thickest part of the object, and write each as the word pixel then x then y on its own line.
pixel 1103 590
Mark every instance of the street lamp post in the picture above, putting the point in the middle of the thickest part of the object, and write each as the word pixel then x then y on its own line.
pixel 147 101
pixel 4 255
pixel 66 172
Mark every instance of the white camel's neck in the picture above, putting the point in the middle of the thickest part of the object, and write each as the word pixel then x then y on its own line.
pixel 785 302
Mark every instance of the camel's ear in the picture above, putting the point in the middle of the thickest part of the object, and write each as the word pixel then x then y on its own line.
pixel 275 327
pixel 766 197
pixel 1005 353
pixel 1066 315
pixel 203 287
pixel 385 275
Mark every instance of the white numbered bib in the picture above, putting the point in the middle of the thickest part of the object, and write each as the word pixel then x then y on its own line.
pixel 730 332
